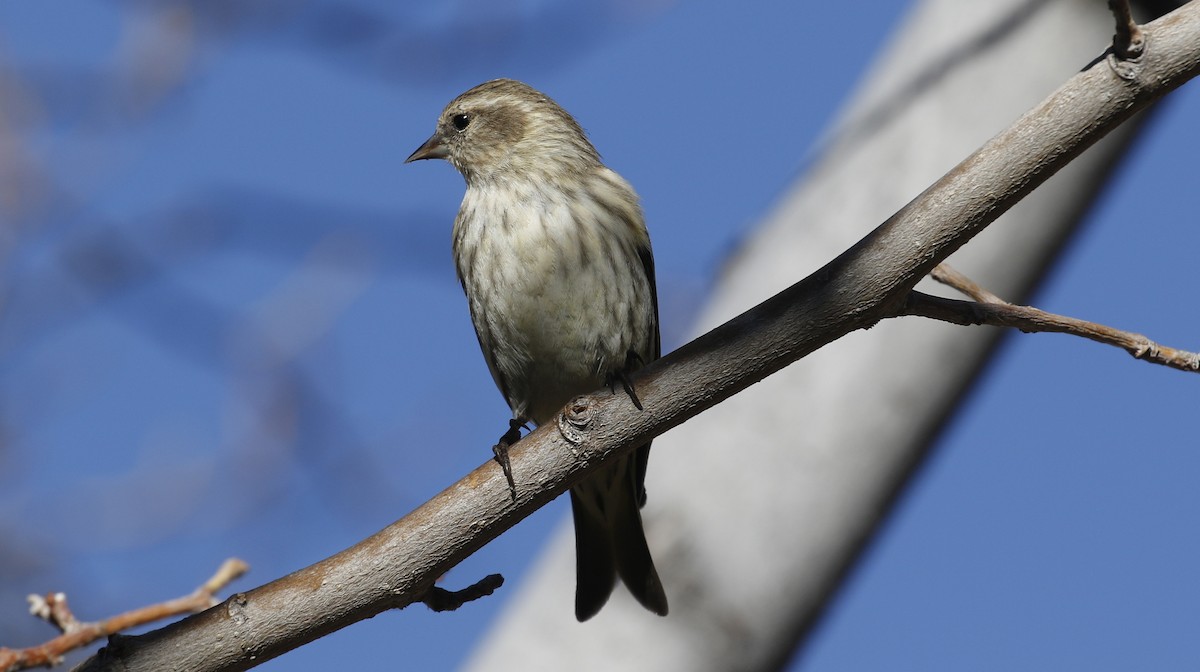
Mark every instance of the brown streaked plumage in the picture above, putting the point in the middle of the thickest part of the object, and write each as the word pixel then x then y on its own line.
pixel 555 260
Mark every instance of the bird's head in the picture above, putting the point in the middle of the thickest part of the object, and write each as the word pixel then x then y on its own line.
pixel 507 129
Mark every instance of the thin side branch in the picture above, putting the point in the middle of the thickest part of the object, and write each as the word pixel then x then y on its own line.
pixel 951 277
pixel 989 309
pixel 1128 41
pixel 76 634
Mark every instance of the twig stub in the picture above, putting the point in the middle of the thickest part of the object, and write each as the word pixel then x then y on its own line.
pixel 573 422
pixel 440 599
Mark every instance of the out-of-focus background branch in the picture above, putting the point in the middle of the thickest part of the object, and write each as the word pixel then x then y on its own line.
pixel 227 310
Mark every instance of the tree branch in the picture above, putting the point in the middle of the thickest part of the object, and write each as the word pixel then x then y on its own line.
pixel 76 634
pixel 869 282
pixel 952 277
pixel 1033 320
pixel 991 309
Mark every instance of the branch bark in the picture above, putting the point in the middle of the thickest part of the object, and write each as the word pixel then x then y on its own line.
pixel 865 284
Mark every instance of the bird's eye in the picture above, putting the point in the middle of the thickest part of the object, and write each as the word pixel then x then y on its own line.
pixel 460 121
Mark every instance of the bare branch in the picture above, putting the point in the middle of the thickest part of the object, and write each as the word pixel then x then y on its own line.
pixel 76 634
pixel 229 571
pixel 991 309
pixel 1002 314
pixel 867 283
pixel 951 277
pixel 54 610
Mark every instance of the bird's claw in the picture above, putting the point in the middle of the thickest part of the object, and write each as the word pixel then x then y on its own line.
pixel 500 450
pixel 633 361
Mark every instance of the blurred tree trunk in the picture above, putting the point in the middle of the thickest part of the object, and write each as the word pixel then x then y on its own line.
pixel 759 507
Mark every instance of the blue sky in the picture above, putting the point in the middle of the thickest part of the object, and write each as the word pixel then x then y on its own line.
pixel 231 325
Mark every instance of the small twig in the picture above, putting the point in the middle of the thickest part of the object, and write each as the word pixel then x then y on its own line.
pixel 951 277
pixel 229 571
pixel 76 634
pixel 1128 41
pixel 54 610
pixel 990 309
pixel 440 599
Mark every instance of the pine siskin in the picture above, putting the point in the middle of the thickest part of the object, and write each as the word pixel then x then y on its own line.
pixel 555 261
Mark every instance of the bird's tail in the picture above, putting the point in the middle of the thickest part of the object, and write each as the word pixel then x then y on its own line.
pixel 610 541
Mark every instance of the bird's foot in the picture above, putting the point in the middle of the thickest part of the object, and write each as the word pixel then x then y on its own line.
pixel 500 450
pixel 633 362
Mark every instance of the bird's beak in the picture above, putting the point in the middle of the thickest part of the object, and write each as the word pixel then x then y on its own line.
pixel 432 149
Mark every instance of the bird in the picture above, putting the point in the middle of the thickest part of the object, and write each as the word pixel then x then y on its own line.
pixel 554 257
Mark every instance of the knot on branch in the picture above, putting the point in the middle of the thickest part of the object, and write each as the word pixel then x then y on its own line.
pixel 575 419
pixel 235 607
pixel 1125 68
